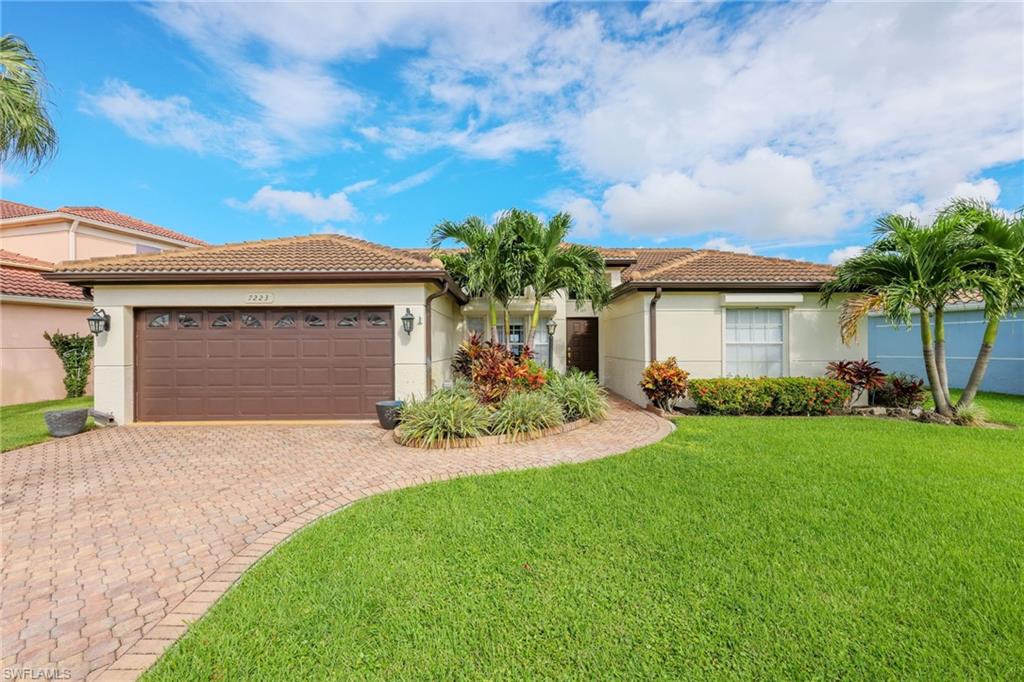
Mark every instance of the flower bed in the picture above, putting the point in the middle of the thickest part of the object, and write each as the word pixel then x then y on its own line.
pixel 499 398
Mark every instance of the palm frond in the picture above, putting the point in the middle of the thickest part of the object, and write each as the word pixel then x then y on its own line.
pixel 26 132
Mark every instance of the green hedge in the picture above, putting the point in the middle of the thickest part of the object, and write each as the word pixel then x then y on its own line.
pixel 768 396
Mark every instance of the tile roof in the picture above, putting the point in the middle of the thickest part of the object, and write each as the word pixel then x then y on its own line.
pixel 704 266
pixel 12 209
pixel 18 259
pixel 310 254
pixel 23 276
pixel 608 253
pixel 122 220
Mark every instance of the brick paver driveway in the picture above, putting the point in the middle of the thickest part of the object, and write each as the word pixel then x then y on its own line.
pixel 115 539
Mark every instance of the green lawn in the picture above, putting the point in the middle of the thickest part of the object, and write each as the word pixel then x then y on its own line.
pixel 22 425
pixel 737 547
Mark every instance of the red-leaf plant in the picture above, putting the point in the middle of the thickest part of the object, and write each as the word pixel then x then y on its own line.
pixel 861 376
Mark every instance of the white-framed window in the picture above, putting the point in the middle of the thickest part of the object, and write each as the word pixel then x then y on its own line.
pixel 754 343
pixel 517 335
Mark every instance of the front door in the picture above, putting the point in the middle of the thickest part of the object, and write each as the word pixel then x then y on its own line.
pixel 581 344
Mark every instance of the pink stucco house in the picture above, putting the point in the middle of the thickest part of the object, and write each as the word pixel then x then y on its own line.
pixel 32 240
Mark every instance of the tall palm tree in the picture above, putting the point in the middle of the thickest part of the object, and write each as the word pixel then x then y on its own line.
pixel 915 268
pixel 1004 233
pixel 487 266
pixel 555 265
pixel 26 133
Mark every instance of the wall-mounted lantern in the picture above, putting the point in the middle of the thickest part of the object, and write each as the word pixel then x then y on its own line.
pixel 407 321
pixel 99 321
pixel 551 327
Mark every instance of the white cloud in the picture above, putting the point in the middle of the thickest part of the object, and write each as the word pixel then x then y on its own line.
pixel 311 206
pixel 721 244
pixel 838 256
pixel 762 195
pixel 416 179
pixel 8 179
pixel 334 229
pixel 359 186
pixel 986 189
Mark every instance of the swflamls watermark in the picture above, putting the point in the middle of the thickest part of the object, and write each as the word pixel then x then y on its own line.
pixel 37 674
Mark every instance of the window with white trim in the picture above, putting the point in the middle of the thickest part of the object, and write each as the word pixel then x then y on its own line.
pixel 754 344
pixel 517 335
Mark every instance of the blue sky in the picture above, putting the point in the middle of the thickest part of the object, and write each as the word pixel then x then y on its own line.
pixel 777 129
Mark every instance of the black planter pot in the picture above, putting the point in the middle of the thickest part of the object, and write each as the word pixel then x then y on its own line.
pixel 63 423
pixel 387 413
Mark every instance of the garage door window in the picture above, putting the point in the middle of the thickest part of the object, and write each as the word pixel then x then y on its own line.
pixel 315 320
pixel 753 342
pixel 348 319
pixel 159 320
pixel 286 321
pixel 188 321
pixel 252 320
pixel 377 320
pixel 222 321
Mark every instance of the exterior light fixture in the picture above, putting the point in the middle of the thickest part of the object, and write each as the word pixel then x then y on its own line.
pixel 407 321
pixel 99 321
pixel 551 327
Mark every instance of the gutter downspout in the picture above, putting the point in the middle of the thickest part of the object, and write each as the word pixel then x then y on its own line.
pixel 654 324
pixel 427 315
pixel 72 240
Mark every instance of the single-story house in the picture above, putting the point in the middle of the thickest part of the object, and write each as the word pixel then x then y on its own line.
pixel 322 327
pixel 898 348
pixel 32 239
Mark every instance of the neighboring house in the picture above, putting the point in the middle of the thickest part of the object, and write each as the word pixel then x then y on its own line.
pixel 898 348
pixel 31 241
pixel 312 327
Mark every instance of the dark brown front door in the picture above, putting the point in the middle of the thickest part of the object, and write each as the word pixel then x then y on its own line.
pixel 262 363
pixel 581 344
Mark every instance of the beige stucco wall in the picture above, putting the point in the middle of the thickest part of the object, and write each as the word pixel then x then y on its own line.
pixel 446 334
pixel 115 371
pixel 29 369
pixel 622 332
pixel 95 246
pixel 49 245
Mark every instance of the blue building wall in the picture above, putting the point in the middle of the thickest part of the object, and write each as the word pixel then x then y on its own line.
pixel 898 349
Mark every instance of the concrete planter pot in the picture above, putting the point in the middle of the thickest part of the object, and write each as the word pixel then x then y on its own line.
pixel 63 423
pixel 387 413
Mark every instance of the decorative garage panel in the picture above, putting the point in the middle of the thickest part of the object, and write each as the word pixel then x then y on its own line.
pixel 262 363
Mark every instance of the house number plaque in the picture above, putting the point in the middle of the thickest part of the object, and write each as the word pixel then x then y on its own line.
pixel 259 297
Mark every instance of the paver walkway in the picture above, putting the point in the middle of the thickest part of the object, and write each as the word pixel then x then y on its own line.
pixel 115 539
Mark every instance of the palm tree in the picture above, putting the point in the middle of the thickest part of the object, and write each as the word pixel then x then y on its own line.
pixel 555 265
pixel 912 267
pixel 25 128
pixel 486 267
pixel 1004 233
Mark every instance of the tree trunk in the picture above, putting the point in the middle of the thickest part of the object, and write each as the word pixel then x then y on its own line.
pixel 531 334
pixel 980 364
pixel 940 352
pixel 941 406
pixel 506 326
pixel 492 318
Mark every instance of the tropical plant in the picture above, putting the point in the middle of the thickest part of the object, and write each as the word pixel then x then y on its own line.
pixel 1005 234
pixel 861 376
pixel 75 353
pixel 446 416
pixel 554 265
pixel 490 264
pixel 971 414
pixel 496 373
pixel 526 413
pixel 913 268
pixel 579 394
pixel 467 352
pixel 900 390
pixel 785 396
pixel 664 382
pixel 26 133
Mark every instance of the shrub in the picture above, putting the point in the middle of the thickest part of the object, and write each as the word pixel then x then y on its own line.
pixel 900 390
pixel 971 415
pixel 579 395
pixel 861 375
pixel 462 363
pixel 447 415
pixel 524 413
pixel 664 383
pixel 496 373
pixel 770 396
pixel 75 352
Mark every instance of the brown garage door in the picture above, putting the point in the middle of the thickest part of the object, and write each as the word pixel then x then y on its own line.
pixel 262 363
